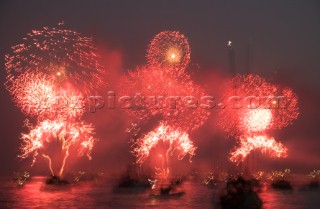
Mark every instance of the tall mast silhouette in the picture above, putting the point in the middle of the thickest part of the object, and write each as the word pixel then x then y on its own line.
pixel 231 58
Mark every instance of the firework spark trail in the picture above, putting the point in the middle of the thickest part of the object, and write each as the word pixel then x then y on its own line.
pixel 251 122
pixel 69 135
pixel 48 75
pixel 177 140
pixel 263 143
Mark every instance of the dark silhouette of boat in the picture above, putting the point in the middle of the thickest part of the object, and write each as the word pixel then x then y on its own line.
pixel 281 184
pixel 240 194
pixel 314 184
pixel 135 183
pixel 169 195
pixel 55 180
pixel 168 191
pixel 132 178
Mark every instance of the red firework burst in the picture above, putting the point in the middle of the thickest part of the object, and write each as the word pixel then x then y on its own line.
pixel 175 98
pixel 165 89
pixel 48 75
pixel 269 107
pixel 170 51
pixel 63 54
pixel 36 94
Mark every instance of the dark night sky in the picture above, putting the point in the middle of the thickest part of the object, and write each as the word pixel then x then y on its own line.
pixel 284 36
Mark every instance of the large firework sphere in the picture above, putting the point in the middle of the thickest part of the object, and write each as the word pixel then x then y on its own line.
pixel 169 50
pixel 65 55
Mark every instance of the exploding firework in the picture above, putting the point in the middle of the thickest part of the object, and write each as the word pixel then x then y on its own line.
pixel 36 94
pixel 259 107
pixel 268 107
pixel 48 75
pixel 177 141
pixel 69 137
pixel 263 143
pixel 175 99
pixel 64 55
pixel 163 88
pixel 169 51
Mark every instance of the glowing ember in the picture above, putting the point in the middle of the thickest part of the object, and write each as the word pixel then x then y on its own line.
pixel 170 51
pixel 315 175
pixel 279 175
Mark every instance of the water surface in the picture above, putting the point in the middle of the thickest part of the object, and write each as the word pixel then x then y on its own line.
pixel 36 194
